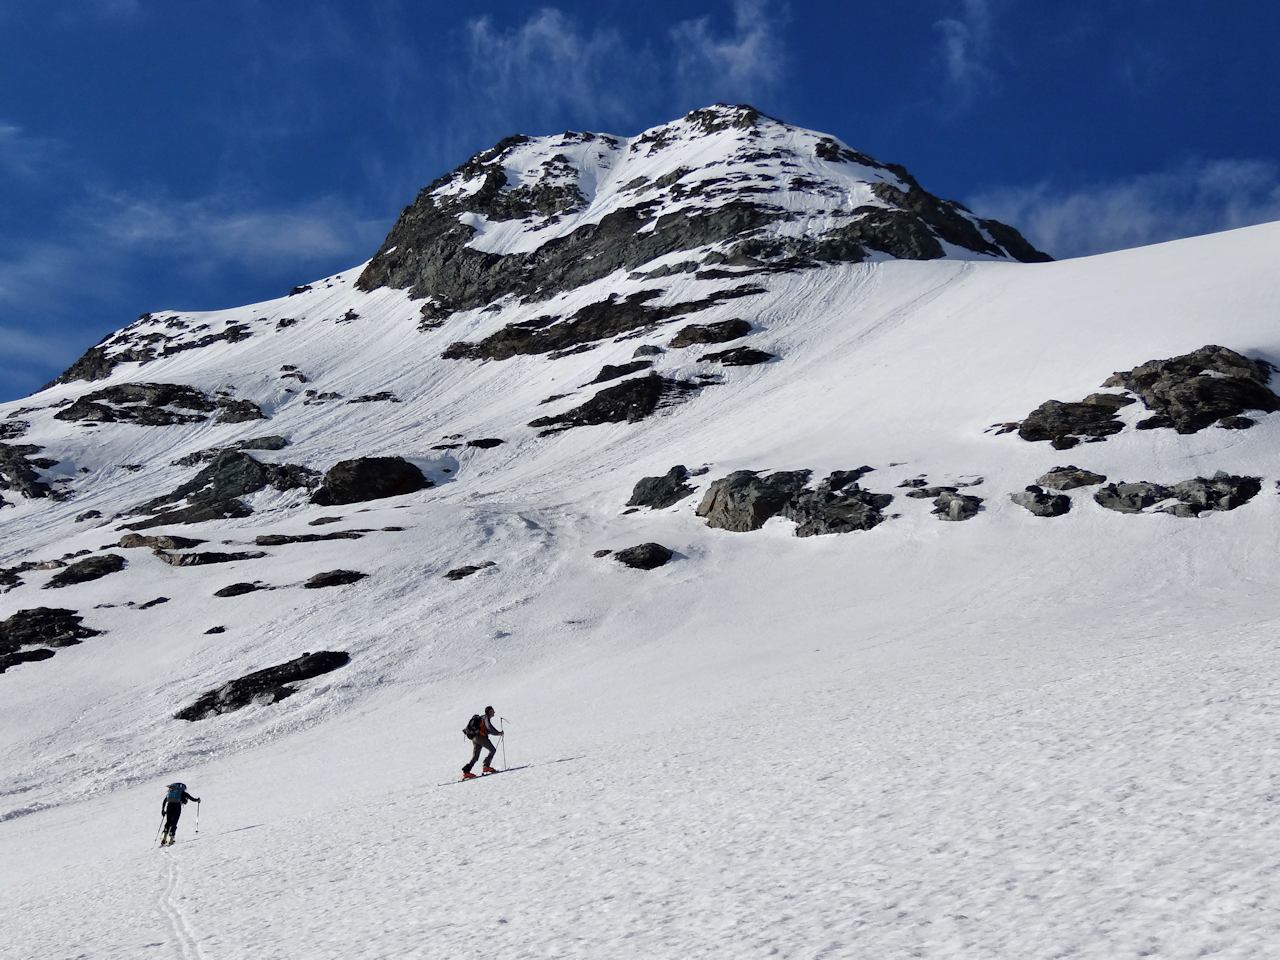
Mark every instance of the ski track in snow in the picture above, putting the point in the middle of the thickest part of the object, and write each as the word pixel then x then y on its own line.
pixel 183 936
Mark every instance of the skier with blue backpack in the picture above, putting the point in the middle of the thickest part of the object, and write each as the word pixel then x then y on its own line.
pixel 171 810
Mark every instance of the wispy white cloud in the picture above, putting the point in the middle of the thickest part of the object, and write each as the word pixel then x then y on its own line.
pixel 967 50
pixel 552 63
pixel 548 63
pixel 220 230
pixel 23 347
pixel 25 156
pixel 1193 198
pixel 742 64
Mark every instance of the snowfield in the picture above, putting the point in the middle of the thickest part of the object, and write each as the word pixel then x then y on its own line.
pixel 1009 737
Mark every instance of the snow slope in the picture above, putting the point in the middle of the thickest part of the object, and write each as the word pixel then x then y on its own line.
pixel 1004 737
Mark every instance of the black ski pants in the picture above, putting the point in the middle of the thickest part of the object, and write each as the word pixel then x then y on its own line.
pixel 482 742
pixel 172 811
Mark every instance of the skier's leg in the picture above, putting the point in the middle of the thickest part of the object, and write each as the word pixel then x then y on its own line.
pixel 488 760
pixel 475 754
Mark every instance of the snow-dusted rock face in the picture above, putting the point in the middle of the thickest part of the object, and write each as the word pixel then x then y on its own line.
pixel 725 187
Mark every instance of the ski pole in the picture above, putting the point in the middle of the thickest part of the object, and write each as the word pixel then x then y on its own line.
pixel 158 831
pixel 503 720
pixel 197 816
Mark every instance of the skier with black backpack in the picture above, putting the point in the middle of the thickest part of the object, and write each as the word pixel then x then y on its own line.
pixel 171 810
pixel 478 730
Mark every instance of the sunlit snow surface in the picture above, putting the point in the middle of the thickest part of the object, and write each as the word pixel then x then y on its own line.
pixel 1008 737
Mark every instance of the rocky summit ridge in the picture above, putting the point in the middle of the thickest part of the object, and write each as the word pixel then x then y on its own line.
pixel 732 188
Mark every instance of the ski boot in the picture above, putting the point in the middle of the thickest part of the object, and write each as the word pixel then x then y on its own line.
pixel 489 770
pixel 468 775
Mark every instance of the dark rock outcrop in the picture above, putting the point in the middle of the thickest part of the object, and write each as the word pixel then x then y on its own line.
pixel 206 557
pixel 460 573
pixel 1191 498
pixel 613 372
pixel 333 578
pixel 156 405
pixel 263 686
pixel 18 471
pixel 738 357
pixel 1069 478
pixel 164 541
pixel 42 627
pixel 592 323
pixel 744 500
pixel 629 401
pixel 239 589
pixel 1130 497
pixel 485 443
pixel 1197 389
pixel 657 493
pixel 83 571
pixel 369 478
pixel 273 442
pixel 13 429
pixel 696 333
pixel 835 507
pixel 1041 503
pixel 644 556
pixel 214 493
pixel 1063 424
pixel 281 539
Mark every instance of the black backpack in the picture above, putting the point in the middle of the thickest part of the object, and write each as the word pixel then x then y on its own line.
pixel 474 727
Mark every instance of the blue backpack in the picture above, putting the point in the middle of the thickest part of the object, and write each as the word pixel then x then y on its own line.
pixel 176 790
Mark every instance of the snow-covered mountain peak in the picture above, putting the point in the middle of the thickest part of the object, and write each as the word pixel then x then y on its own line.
pixel 725 185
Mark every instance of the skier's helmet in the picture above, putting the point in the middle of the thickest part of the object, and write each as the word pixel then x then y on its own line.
pixel 488 711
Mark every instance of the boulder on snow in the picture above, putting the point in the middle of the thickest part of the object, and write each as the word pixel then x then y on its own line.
pixel 214 493
pixel 83 571
pixel 333 578
pixel 956 506
pixel 18 471
pixel 263 686
pixel 282 539
pixel 629 401
pixel 1198 389
pixel 239 589
pixel 612 372
pixel 1069 478
pixel 720 332
pixel 1222 491
pixel 738 357
pixel 744 500
pixel 1040 503
pixel 644 556
pixel 156 405
pixel 1063 424
pixel 1190 498
pixel 162 541
pixel 369 478
pixel 206 557
pixel 1130 497
pixel 460 573
pixel 656 493
pixel 42 627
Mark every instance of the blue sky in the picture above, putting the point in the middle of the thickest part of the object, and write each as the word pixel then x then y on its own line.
pixel 171 154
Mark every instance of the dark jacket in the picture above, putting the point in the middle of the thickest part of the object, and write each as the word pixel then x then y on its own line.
pixel 164 804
